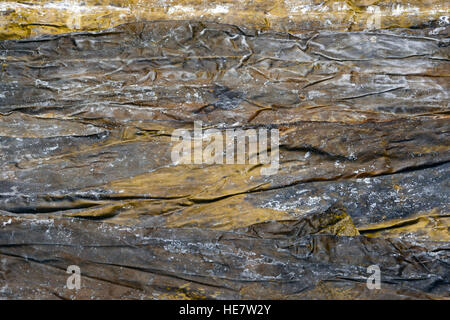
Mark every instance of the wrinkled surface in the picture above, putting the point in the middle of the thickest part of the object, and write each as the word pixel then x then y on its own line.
pixel 19 19
pixel 85 129
pixel 266 262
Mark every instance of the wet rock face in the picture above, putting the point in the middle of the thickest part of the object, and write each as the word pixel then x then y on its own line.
pixel 88 177
pixel 158 263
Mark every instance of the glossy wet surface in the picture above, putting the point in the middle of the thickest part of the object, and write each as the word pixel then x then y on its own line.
pixel 87 176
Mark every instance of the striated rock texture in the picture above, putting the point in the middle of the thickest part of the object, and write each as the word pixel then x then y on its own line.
pixel 87 177
pixel 20 19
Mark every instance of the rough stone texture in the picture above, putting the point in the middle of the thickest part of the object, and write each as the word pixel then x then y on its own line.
pixel 87 176
pixel 158 263
pixel 37 17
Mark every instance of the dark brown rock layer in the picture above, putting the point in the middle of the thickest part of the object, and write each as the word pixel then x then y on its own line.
pixel 87 177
